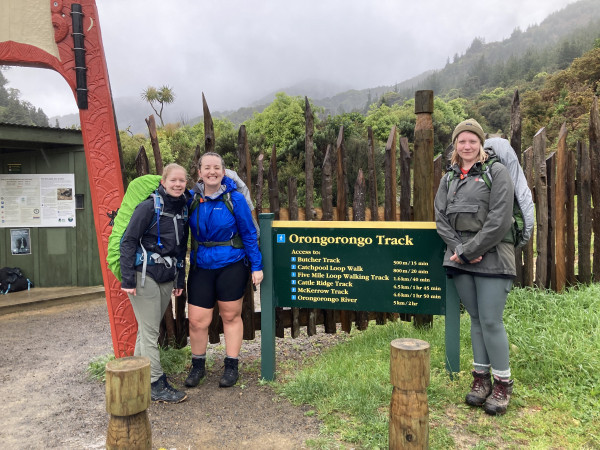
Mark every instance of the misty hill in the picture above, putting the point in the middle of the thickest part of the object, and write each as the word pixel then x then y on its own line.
pixel 131 112
pixel 550 46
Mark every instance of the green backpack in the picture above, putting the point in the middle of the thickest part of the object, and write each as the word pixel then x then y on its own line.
pixel 137 191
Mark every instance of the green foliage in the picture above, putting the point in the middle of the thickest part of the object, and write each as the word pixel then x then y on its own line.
pixel 281 123
pixel 175 360
pixel 226 136
pixel 178 144
pixel 445 117
pixel 158 98
pixel 565 97
pixel 554 361
pixel 381 119
pixel 97 367
pixel 130 146
pixel 172 360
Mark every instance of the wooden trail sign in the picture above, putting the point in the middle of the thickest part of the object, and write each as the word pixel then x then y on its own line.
pixel 359 266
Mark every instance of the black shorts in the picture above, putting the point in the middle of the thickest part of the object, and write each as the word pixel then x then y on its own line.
pixel 206 286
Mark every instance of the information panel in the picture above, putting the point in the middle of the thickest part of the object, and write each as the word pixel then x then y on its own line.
pixel 360 266
pixel 33 200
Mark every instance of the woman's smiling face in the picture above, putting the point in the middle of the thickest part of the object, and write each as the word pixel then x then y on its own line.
pixel 468 146
pixel 175 182
pixel 211 172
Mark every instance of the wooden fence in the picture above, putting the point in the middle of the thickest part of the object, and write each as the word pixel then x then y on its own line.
pixel 560 180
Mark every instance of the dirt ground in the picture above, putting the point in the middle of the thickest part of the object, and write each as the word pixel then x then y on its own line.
pixel 48 401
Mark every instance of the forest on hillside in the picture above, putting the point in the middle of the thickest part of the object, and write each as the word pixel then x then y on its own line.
pixel 16 111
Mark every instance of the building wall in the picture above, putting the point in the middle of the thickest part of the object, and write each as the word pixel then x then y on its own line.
pixel 59 256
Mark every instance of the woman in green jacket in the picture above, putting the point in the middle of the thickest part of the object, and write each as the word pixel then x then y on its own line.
pixel 475 222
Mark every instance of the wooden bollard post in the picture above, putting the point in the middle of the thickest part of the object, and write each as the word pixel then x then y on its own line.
pixel 409 413
pixel 127 399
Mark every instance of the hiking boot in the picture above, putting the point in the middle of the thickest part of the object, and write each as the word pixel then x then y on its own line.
pixel 197 372
pixel 230 374
pixel 480 389
pixel 497 403
pixel 162 391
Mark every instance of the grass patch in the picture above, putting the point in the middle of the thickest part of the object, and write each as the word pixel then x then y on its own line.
pixel 173 361
pixel 97 367
pixel 555 362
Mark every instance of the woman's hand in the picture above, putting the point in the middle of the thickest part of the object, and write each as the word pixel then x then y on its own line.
pixel 129 291
pixel 457 259
pixel 177 292
pixel 257 277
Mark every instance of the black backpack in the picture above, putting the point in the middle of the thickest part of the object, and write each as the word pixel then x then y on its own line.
pixel 13 280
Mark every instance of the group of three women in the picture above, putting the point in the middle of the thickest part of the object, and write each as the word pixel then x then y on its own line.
pixel 224 253
pixel 473 219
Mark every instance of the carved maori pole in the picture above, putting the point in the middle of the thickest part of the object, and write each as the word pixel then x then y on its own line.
pixel 64 36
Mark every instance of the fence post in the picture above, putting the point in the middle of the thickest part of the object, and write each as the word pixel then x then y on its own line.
pixel 127 399
pixel 209 127
pixel 541 208
pixel 423 171
pixel 391 182
pixel 560 207
pixel 528 259
pixel 405 191
pixel 309 167
pixel 423 157
pixel 594 139
pixel 342 177
pixel 372 177
pixel 409 412
pixel 584 212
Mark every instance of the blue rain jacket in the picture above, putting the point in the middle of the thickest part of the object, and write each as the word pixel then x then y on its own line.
pixel 211 221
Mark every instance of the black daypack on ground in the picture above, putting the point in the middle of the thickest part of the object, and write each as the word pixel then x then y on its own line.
pixel 13 280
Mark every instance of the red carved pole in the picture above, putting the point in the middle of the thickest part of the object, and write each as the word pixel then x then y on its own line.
pixel 52 45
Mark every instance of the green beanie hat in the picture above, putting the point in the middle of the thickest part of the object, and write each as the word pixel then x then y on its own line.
pixel 469 125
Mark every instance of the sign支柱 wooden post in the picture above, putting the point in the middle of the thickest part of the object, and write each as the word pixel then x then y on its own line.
pixel 127 399
pixel 409 412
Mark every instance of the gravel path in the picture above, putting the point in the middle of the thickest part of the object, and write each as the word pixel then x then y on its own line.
pixel 49 402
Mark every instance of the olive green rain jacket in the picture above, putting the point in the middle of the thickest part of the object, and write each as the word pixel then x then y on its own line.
pixel 474 220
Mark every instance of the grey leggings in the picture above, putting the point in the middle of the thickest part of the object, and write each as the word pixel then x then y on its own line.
pixel 149 306
pixel 484 299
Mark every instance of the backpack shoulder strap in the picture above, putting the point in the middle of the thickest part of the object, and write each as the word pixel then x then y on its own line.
pixel 227 200
pixel 486 171
pixel 196 200
pixel 159 205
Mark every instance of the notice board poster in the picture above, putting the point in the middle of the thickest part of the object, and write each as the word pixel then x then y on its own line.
pixel 20 240
pixel 37 200
pixel 361 266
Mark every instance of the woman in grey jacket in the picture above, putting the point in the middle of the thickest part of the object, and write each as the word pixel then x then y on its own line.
pixel 475 222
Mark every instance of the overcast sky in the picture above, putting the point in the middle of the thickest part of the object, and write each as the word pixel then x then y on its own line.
pixel 236 51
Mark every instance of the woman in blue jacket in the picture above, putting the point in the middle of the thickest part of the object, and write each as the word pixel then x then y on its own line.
pixel 224 252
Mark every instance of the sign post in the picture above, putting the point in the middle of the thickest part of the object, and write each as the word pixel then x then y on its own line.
pixel 360 266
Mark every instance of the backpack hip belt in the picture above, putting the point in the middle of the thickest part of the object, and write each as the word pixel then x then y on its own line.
pixel 144 259
pixel 235 242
